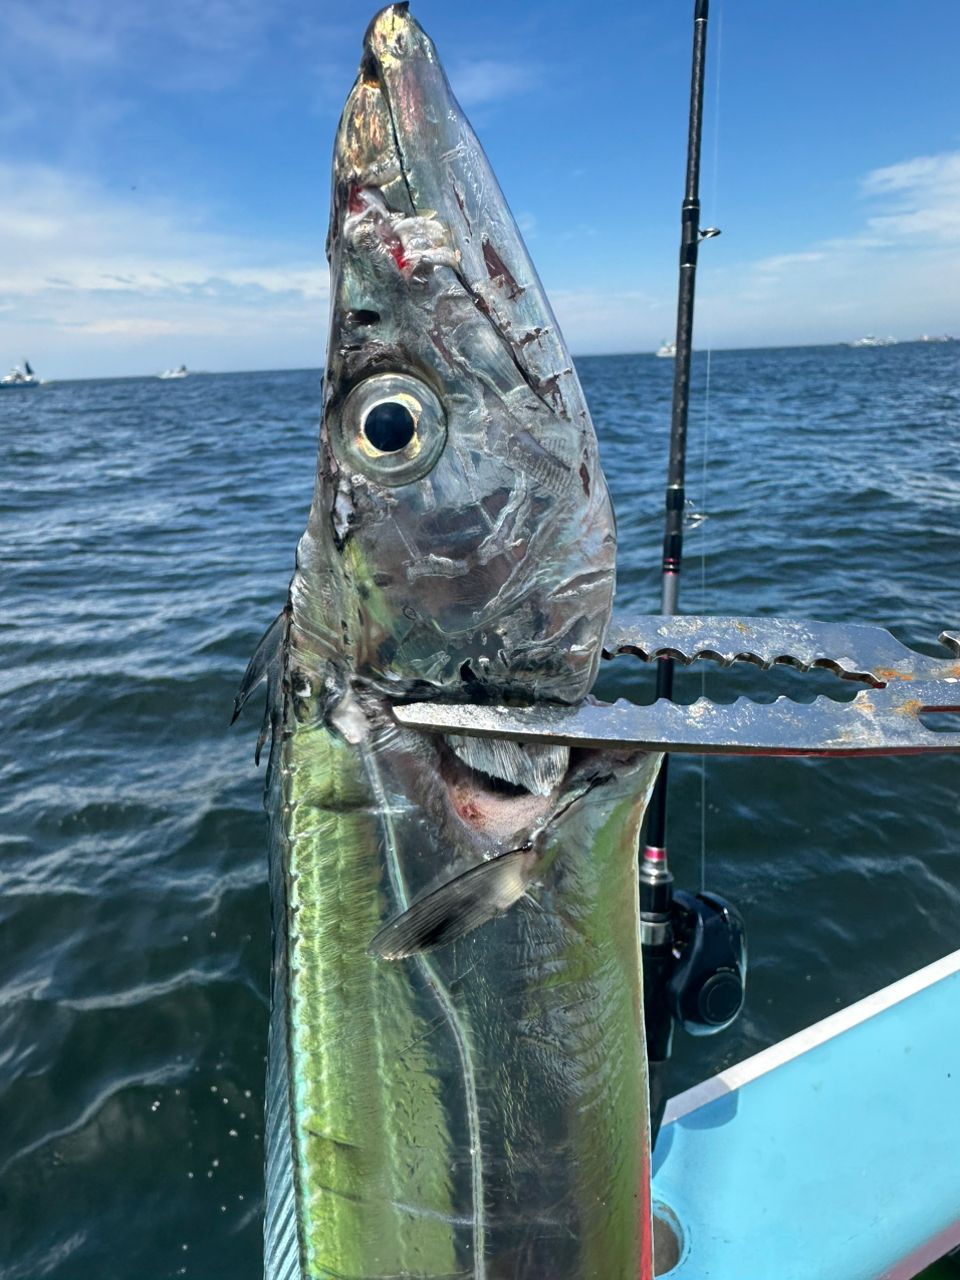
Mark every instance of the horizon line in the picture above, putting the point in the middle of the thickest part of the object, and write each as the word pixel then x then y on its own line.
pixel 945 340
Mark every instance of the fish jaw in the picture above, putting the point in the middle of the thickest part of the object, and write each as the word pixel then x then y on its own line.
pixel 476 559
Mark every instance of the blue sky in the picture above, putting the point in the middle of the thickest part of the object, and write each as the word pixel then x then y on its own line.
pixel 164 170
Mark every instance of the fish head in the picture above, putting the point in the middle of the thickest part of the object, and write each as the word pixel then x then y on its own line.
pixel 461 542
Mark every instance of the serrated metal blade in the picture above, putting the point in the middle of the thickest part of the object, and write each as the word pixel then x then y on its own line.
pixel 853 651
pixel 876 722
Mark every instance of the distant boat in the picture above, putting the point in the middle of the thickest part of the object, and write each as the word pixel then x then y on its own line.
pixel 666 350
pixel 182 372
pixel 871 341
pixel 936 337
pixel 18 377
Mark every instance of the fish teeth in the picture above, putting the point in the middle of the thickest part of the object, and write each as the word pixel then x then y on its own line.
pixel 538 767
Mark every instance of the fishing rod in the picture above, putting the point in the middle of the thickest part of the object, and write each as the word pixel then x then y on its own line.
pixel 691 943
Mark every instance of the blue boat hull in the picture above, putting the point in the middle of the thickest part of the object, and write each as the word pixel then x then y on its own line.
pixel 835 1153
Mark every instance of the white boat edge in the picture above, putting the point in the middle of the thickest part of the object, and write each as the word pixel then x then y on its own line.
pixel 851 1124
pixel 741 1073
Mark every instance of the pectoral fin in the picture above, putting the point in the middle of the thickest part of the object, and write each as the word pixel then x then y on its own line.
pixel 457 907
pixel 266 664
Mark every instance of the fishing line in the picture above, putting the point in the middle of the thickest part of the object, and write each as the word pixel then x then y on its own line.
pixel 705 447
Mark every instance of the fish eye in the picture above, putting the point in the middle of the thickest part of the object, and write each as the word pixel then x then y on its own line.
pixel 389 426
pixel 391 429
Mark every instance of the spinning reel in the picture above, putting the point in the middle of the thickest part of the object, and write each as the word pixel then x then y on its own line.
pixel 706 987
pixel 694 967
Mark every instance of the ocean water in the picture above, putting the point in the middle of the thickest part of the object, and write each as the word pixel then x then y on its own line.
pixel 147 532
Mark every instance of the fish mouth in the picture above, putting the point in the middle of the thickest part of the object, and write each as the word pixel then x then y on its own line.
pixel 405 149
pixel 505 805
pixel 391 15
pixel 404 139
pixel 374 131
pixel 502 790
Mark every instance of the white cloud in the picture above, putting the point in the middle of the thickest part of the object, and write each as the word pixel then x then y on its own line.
pixel 102 282
pixel 925 200
pixel 923 173
pixel 126 329
pixel 781 261
pixel 899 274
pixel 61 31
pixel 490 80
pixel 100 32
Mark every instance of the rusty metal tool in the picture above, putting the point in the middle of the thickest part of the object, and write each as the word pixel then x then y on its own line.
pixel 883 719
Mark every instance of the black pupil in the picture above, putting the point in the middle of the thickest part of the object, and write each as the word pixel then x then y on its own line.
pixel 389 426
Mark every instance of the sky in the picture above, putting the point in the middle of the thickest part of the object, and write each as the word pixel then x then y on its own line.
pixel 164 170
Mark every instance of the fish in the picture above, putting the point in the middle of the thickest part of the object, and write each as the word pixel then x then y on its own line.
pixel 456 1078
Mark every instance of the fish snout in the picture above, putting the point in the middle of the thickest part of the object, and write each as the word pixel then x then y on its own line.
pixel 393 34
